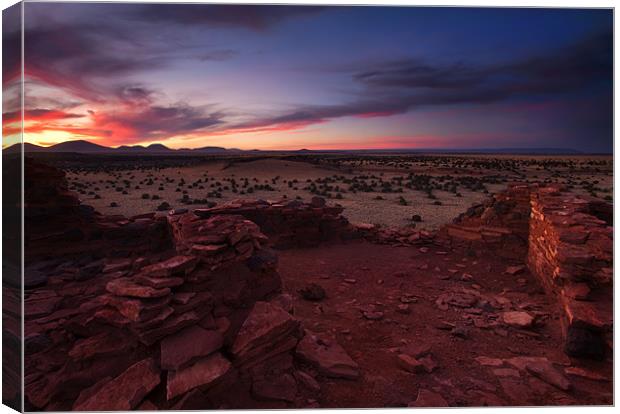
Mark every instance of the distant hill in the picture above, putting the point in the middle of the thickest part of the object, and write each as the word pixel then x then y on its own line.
pixel 27 147
pixel 87 147
pixel 77 146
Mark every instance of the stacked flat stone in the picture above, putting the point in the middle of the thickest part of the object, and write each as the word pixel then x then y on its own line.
pixel 571 253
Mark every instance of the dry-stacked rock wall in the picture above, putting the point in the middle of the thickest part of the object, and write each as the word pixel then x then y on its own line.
pixel 567 242
pixel 289 224
pixel 177 311
pixel 571 253
pixel 500 223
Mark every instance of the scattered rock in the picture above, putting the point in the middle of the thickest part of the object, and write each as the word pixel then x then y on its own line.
pixel 327 356
pixel 307 381
pixel 203 373
pixel 188 344
pixel 122 393
pixel 266 327
pixel 410 364
pixel 585 373
pixel 281 387
pixel 491 362
pixel 126 287
pixel 547 372
pixel 312 292
pixel 518 319
pixel 514 270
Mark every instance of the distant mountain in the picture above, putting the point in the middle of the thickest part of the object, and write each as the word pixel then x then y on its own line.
pixel 142 149
pixel 158 148
pixel 28 147
pixel 86 147
pixel 214 150
pixel 69 146
pixel 78 146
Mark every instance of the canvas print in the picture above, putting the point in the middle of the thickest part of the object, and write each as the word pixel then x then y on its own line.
pixel 211 207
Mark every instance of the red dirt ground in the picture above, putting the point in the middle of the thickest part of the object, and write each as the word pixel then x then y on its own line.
pixel 382 275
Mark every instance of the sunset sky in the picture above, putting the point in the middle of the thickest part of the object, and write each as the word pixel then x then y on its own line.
pixel 281 77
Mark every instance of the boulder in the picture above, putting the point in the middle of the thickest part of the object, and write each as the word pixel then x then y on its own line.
pixel 281 387
pixel 266 327
pixel 172 266
pixel 518 319
pixel 312 292
pixel 203 373
pixel 188 344
pixel 122 393
pixel 126 287
pixel 327 356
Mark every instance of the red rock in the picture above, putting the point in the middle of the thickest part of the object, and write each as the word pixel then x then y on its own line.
pixel 518 319
pixel 281 387
pixel 586 373
pixel 115 266
pixel 193 400
pixel 34 307
pixel 124 392
pixel 588 315
pixel 158 282
pixel 104 343
pixel 492 362
pixel 203 373
pixel 285 301
pixel 578 291
pixel 514 270
pixel 136 310
pixel 506 372
pixel 267 325
pixel 172 266
pixel 188 344
pixel 125 287
pixel 327 356
pixel 410 364
pixel 170 326
pixel 147 405
pixel 182 298
pixel 417 349
pixel 307 381
pixel 547 373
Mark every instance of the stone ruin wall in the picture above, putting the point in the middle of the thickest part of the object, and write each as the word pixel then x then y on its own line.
pixel 567 243
pixel 175 311
pixel 571 253
pixel 500 223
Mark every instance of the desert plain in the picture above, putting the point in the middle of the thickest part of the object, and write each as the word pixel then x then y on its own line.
pixel 386 190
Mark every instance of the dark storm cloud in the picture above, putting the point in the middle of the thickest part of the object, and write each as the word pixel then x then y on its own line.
pixel 585 63
pixel 400 86
pixel 248 16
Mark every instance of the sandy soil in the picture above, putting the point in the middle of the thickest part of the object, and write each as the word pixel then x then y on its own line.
pixel 288 178
pixel 360 207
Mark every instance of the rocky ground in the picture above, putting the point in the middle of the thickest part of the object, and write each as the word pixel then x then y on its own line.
pixel 421 323
pixel 252 304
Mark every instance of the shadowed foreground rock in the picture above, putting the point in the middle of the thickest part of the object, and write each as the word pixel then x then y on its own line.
pixel 123 317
